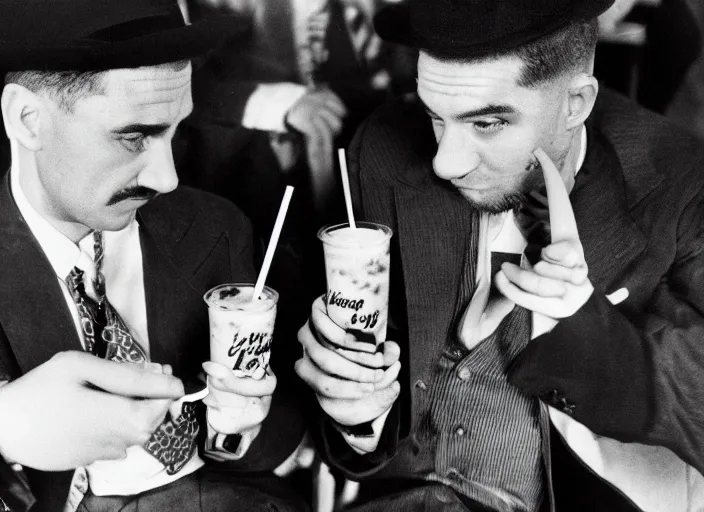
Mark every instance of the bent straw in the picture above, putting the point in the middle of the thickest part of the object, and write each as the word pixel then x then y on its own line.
pixel 346 187
pixel 280 217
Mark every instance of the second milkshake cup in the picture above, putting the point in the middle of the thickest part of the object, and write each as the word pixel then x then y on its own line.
pixel 241 330
pixel 357 273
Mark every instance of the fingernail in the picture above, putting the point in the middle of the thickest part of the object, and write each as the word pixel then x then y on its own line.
pixel 153 367
pixel 378 375
pixel 368 388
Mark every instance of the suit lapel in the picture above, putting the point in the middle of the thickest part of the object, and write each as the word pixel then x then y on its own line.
pixel 182 257
pixel 33 310
pixel 610 237
pixel 172 307
pixel 177 319
pixel 431 270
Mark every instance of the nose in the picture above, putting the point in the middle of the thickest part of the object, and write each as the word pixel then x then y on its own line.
pixel 456 155
pixel 160 172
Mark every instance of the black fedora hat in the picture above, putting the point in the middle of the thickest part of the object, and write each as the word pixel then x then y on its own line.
pixel 58 35
pixel 476 28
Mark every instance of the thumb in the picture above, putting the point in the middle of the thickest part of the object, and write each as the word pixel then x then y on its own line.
pixel 153 411
pixel 125 379
pixel 392 352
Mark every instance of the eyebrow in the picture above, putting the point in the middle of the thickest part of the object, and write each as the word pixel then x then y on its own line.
pixel 145 129
pixel 489 110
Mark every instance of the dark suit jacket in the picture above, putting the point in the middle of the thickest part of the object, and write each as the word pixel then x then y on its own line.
pixel 633 371
pixel 191 241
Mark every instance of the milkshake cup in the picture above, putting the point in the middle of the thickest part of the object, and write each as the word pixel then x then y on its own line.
pixel 357 273
pixel 241 330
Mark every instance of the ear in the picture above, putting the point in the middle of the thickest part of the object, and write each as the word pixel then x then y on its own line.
pixel 582 92
pixel 21 112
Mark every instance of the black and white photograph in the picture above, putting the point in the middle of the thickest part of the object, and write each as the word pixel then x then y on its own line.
pixel 352 256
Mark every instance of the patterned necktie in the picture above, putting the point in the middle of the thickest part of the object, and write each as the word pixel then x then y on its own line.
pixel 106 335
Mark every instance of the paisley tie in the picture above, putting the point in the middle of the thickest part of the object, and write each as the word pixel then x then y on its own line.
pixel 106 335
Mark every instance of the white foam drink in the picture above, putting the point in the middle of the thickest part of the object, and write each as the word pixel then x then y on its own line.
pixel 241 329
pixel 357 272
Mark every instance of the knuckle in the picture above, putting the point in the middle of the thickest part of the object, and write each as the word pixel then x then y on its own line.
pixel 299 366
pixel 144 421
pixel 363 375
pixel 115 450
pixel 67 357
pixel 143 437
pixel 326 389
pixel 303 332
pixel 317 386
pixel 542 284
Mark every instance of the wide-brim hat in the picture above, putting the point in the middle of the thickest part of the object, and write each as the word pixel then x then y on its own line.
pixel 82 35
pixel 474 28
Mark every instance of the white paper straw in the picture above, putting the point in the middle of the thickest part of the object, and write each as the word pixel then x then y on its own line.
pixel 259 286
pixel 346 187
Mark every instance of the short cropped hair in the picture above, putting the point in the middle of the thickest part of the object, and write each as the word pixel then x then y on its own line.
pixel 567 49
pixel 67 87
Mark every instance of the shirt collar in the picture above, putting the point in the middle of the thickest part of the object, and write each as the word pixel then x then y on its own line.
pixel 61 252
pixel 582 150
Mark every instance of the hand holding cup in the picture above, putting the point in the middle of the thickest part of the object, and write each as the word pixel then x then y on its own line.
pixel 352 387
pixel 236 404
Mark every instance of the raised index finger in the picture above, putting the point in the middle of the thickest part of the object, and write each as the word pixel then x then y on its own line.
pixel 563 225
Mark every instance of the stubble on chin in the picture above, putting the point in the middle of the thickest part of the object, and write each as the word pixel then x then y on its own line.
pixel 503 201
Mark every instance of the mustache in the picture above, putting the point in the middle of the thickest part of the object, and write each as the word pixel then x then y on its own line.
pixel 133 193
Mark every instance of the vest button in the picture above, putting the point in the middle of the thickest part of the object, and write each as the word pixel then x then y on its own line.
pixel 421 385
pixel 456 353
pixel 464 373
pixel 459 431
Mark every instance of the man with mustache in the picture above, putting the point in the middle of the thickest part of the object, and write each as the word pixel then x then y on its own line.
pixel 547 352
pixel 103 267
